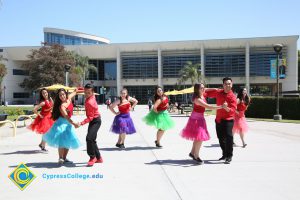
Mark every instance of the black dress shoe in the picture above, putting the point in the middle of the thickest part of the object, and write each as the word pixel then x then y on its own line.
pixel 157 144
pixel 227 161
pixel 118 145
pixel 198 160
pixel 192 156
pixel 222 158
pixel 122 146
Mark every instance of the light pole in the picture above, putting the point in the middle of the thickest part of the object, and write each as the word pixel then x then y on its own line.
pixel 4 88
pixel 277 49
pixel 67 69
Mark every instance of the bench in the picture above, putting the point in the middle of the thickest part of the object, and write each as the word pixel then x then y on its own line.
pixel 79 109
pixel 3 120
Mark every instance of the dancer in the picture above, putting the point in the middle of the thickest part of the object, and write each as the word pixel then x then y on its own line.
pixel 196 129
pixel 94 120
pixel 62 133
pixel 240 125
pixel 224 117
pixel 122 123
pixel 43 121
pixel 159 116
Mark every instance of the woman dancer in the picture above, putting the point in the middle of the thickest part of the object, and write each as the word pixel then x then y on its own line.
pixel 196 129
pixel 240 125
pixel 43 121
pixel 159 116
pixel 122 123
pixel 62 133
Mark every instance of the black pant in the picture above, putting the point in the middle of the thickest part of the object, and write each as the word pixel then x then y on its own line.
pixel 91 144
pixel 224 133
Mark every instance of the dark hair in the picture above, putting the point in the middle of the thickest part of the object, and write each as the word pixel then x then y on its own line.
pixel 57 103
pixel 155 93
pixel 41 95
pixel 124 89
pixel 196 90
pixel 89 86
pixel 241 97
pixel 227 79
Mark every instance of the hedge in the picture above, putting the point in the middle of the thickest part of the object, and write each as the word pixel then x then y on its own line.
pixel 265 107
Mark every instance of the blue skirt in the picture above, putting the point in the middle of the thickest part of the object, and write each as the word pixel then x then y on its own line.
pixel 62 135
pixel 123 124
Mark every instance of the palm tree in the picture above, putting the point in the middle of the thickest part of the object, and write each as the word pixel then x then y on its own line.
pixel 190 71
pixel 3 72
pixel 82 66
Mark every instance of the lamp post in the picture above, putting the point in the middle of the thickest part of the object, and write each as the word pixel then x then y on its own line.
pixel 277 49
pixel 4 88
pixel 67 69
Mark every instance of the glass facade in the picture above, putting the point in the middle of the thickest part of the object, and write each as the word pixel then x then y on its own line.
pixel 141 93
pixel 260 60
pixel 226 62
pixel 54 38
pixel 139 65
pixel 107 70
pixel 174 61
pixel 20 72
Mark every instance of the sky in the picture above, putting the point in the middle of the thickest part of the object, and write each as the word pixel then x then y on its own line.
pixel 22 21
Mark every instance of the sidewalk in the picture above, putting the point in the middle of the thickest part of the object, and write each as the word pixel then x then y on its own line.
pixel 268 168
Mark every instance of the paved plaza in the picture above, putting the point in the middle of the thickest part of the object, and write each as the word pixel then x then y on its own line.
pixel 268 168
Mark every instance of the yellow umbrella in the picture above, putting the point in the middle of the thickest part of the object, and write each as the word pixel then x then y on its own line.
pixel 82 93
pixel 174 92
pixel 187 90
pixel 58 86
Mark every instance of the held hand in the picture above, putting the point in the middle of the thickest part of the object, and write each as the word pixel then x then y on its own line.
pixel 117 113
pixel 77 125
pixel 41 116
pixel 224 105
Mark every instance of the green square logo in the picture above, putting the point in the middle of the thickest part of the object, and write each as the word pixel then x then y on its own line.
pixel 21 176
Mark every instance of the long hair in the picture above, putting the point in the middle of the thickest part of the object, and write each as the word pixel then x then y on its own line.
pixel 57 103
pixel 156 95
pixel 41 95
pixel 124 89
pixel 241 97
pixel 196 90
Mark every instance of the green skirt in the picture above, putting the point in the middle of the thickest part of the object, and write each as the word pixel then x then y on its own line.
pixel 160 120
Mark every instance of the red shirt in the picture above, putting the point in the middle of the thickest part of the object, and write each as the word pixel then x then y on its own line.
pixel 198 108
pixel 124 108
pixel 91 109
pixel 221 97
pixel 163 105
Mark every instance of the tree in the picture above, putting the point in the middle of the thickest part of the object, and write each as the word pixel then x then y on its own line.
pixel 3 72
pixel 190 71
pixel 82 66
pixel 46 67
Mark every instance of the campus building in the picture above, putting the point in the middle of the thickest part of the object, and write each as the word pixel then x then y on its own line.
pixel 141 66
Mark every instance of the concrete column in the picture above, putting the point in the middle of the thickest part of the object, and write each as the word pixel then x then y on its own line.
pixel 247 70
pixel 291 81
pixel 202 61
pixel 119 85
pixel 159 68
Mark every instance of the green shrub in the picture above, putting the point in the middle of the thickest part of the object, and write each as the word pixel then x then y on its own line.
pixel 265 107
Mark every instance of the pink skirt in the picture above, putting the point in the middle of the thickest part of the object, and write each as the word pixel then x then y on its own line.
pixel 196 129
pixel 240 124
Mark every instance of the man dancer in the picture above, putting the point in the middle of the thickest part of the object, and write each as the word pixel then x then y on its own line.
pixel 224 117
pixel 94 120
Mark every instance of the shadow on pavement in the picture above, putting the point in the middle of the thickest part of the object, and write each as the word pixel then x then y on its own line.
pixel 182 163
pixel 25 152
pixel 51 165
pixel 212 146
pixel 127 148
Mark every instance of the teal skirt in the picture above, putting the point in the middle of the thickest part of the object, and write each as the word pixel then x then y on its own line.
pixel 160 120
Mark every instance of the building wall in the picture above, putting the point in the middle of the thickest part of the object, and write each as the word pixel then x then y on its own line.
pixel 152 62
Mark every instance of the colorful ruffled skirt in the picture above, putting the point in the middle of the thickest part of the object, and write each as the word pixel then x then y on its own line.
pixel 62 135
pixel 160 120
pixel 41 125
pixel 196 128
pixel 240 125
pixel 123 124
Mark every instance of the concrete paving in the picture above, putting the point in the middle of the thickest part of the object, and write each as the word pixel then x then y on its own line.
pixel 268 168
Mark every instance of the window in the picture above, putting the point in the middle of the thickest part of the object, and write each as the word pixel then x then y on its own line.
pixel 141 93
pixel 20 72
pixel 21 95
pixel 110 70
pixel 139 65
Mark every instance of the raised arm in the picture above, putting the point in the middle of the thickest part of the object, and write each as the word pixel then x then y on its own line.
pixel 156 104
pixel 73 94
pixel 113 105
pixel 134 101
pixel 206 105
pixel 37 107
